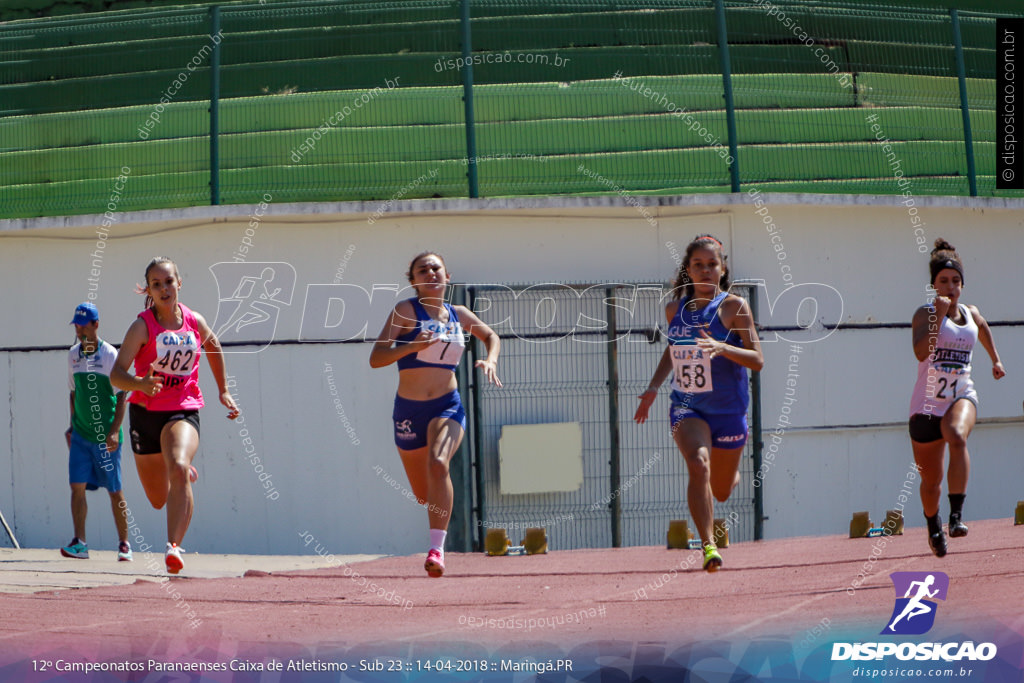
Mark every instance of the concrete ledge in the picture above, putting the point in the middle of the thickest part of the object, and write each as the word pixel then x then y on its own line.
pixel 231 212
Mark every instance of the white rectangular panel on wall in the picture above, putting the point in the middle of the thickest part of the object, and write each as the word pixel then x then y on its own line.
pixel 541 458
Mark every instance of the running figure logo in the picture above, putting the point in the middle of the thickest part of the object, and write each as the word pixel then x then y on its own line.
pixel 403 430
pixel 257 292
pixel 914 613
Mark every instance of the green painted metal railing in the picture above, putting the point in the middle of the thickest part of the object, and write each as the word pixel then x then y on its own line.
pixel 329 101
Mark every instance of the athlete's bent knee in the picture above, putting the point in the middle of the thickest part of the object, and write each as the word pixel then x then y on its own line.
pixel 178 474
pixel 699 471
pixel 438 468
pixel 957 438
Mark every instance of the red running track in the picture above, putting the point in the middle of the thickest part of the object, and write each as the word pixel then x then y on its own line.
pixel 803 589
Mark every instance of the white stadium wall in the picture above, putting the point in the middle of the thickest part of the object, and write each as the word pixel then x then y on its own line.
pixel 319 417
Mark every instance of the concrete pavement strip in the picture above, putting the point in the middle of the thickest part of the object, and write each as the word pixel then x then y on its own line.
pixel 35 570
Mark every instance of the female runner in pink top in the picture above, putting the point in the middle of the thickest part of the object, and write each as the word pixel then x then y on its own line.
pixel 166 342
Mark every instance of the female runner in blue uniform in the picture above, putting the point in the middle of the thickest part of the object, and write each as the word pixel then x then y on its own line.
pixel 425 337
pixel 944 406
pixel 712 344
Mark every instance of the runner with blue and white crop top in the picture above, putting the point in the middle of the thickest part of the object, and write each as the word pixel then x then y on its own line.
pixel 712 344
pixel 425 337
pixel 944 405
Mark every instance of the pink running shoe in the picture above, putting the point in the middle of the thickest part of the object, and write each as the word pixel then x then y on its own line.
pixel 434 564
pixel 193 474
pixel 172 558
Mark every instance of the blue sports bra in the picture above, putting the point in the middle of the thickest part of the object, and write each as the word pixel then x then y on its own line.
pixel 445 353
pixel 709 385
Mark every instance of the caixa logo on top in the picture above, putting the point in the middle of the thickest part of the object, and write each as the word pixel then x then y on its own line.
pixel 914 614
pixel 252 295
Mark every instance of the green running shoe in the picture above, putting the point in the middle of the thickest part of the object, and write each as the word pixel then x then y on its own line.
pixel 76 549
pixel 712 560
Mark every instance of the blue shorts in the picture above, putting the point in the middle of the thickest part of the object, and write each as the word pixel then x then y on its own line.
pixel 412 417
pixel 90 463
pixel 728 431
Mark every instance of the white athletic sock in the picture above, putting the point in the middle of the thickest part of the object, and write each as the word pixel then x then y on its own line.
pixel 437 537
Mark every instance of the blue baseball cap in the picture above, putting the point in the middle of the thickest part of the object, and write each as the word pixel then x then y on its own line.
pixel 85 313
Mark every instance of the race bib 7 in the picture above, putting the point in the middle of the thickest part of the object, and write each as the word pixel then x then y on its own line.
pixel 448 350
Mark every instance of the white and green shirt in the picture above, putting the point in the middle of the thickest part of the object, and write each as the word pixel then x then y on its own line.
pixel 95 397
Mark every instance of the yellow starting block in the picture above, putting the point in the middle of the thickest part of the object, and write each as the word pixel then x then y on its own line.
pixel 893 524
pixel 860 525
pixel 497 542
pixel 678 537
pixel 720 531
pixel 536 541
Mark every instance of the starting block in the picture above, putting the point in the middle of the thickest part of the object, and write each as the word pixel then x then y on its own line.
pixel 860 525
pixel 1018 517
pixel 536 541
pixel 893 524
pixel 497 542
pixel 678 537
pixel 720 532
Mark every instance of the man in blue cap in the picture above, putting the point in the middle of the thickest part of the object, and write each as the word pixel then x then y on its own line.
pixel 94 437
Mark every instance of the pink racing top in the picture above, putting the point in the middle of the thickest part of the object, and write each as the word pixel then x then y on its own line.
pixel 176 353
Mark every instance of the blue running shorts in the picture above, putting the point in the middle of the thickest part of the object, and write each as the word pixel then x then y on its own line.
pixel 412 417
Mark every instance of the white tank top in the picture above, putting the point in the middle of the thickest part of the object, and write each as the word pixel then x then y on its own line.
pixel 945 375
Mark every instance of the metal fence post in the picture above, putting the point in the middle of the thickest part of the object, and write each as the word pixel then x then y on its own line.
pixel 474 422
pixel 460 534
pixel 755 430
pixel 467 98
pixel 215 107
pixel 613 420
pixel 961 73
pixel 730 109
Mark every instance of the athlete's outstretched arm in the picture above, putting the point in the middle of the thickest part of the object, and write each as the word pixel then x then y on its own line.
pixel 215 357
pixel 491 341
pixel 647 398
pixel 660 373
pixel 985 337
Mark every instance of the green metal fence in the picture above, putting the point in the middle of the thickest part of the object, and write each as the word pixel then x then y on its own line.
pixel 327 101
